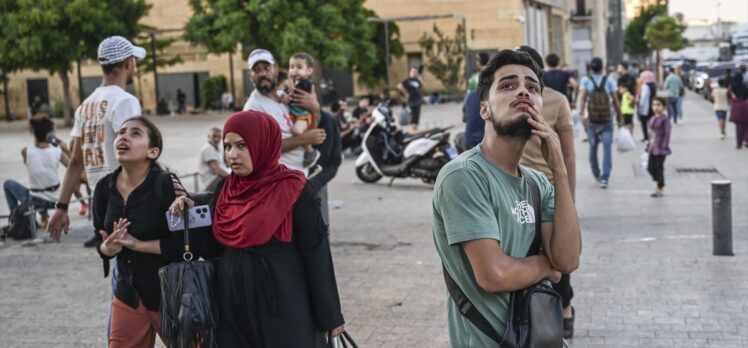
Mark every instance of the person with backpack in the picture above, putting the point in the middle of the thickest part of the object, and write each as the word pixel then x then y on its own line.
pixel 42 161
pixel 129 215
pixel 599 100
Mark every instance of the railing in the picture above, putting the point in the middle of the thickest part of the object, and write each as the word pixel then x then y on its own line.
pixel 89 199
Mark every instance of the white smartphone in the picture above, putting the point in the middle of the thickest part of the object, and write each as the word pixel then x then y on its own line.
pixel 199 217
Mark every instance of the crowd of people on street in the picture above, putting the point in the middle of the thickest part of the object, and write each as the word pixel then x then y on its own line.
pixel 503 215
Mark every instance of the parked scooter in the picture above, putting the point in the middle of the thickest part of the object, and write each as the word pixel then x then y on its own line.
pixel 387 151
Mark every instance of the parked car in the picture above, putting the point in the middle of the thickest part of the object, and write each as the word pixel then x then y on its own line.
pixel 698 76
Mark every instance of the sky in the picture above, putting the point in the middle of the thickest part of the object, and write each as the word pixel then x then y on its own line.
pixel 729 10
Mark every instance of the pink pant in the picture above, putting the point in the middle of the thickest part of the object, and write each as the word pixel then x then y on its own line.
pixel 741 133
pixel 133 328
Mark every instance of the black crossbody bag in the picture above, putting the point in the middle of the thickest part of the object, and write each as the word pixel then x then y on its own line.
pixel 534 318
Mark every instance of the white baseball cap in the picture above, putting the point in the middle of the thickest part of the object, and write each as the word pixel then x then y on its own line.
pixel 260 55
pixel 115 49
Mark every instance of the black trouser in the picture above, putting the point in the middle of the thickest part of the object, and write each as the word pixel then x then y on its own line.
pixel 645 126
pixel 415 114
pixel 563 288
pixel 656 168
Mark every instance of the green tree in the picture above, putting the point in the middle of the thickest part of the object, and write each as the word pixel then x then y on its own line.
pixel 635 41
pixel 665 32
pixel 336 33
pixel 52 34
pixel 445 56
pixel 162 60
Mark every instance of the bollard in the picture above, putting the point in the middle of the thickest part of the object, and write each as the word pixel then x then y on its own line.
pixel 721 218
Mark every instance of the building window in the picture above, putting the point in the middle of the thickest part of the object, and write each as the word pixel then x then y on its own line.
pixel 414 60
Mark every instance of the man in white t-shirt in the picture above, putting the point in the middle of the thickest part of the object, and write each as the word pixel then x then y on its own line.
pixel 264 74
pixel 96 121
pixel 211 165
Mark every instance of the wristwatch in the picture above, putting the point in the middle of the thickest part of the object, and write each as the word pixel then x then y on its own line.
pixel 61 206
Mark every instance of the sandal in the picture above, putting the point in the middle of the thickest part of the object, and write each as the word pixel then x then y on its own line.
pixel 569 325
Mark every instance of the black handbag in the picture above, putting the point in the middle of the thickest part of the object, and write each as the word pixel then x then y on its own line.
pixel 189 301
pixel 534 319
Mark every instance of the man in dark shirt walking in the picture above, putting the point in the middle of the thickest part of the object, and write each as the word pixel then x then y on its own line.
pixel 626 79
pixel 560 80
pixel 411 87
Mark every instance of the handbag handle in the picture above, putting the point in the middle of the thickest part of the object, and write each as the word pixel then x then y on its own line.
pixel 342 339
pixel 187 253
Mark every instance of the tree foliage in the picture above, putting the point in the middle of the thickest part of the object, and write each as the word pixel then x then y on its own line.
pixel 162 60
pixel 336 33
pixel 51 34
pixel 635 41
pixel 445 56
pixel 666 32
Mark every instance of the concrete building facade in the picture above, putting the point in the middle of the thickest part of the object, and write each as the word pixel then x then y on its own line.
pixel 168 18
pixel 490 26
pixel 555 26
pixel 589 21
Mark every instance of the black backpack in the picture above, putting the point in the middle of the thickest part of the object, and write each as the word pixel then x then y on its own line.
pixel 21 222
pixel 599 106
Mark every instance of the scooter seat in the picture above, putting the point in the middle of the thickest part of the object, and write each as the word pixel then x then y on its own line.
pixel 408 137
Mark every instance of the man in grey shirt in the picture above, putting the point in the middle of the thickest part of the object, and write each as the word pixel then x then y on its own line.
pixel 264 74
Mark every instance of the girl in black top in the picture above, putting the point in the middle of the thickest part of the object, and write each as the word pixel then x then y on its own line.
pixel 129 215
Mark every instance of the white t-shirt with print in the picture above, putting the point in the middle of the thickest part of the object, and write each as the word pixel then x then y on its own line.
pixel 96 121
pixel 208 153
pixel 293 159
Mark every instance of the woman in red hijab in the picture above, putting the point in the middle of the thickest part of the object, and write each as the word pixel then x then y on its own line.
pixel 276 278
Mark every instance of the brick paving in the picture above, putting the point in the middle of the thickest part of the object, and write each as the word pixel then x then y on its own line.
pixel 647 276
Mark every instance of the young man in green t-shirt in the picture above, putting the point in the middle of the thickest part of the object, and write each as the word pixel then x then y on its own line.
pixel 483 219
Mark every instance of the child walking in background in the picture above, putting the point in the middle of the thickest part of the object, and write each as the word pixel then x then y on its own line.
pixel 719 98
pixel 300 69
pixel 659 144
pixel 627 107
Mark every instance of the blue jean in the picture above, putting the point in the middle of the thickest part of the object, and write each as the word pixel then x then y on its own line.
pixel 16 194
pixel 672 109
pixel 597 133
pixel 680 108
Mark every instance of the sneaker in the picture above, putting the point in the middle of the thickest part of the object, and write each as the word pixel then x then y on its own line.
pixel 722 136
pixel 314 171
pixel 90 243
pixel 603 183
pixel 310 158
pixel 83 211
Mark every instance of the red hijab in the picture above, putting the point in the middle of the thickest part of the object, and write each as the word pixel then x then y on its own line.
pixel 252 209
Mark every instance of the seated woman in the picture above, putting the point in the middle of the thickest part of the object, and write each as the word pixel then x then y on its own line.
pixel 129 210
pixel 42 161
pixel 276 279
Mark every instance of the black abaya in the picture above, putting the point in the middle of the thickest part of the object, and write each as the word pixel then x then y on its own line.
pixel 281 294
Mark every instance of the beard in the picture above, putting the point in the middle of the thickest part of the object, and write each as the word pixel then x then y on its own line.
pixel 517 128
pixel 265 89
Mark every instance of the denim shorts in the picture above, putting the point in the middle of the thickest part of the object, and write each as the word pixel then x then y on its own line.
pixel 721 114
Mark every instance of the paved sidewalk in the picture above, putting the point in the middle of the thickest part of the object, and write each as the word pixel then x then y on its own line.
pixel 647 277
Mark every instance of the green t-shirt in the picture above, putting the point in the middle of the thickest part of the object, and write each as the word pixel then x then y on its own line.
pixel 473 83
pixel 474 199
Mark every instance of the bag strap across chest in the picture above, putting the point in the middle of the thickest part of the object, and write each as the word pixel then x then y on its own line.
pixel 464 305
